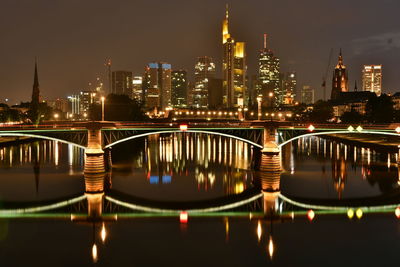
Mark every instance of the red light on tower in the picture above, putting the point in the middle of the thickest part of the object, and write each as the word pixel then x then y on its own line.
pixel 183 127
pixel 310 215
pixel 183 217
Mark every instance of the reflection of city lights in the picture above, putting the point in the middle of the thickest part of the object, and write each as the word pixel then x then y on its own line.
pixel 310 215
pixel 103 233
pixel 259 230
pixel 350 213
pixel 397 212
pixel 270 247
pixel 359 213
pixel 183 217
pixel 94 253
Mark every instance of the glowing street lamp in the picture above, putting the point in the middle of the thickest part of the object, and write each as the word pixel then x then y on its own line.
pixel 102 108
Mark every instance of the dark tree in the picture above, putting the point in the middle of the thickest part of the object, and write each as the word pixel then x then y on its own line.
pixel 118 108
pixel 352 117
pixel 379 109
pixel 322 112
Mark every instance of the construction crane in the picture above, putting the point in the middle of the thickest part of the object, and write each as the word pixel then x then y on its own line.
pixel 326 73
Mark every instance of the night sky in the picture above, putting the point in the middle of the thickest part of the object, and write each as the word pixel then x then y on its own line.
pixel 72 39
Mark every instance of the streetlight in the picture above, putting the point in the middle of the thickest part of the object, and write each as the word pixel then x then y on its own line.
pixel 271 95
pixel 102 108
pixel 259 99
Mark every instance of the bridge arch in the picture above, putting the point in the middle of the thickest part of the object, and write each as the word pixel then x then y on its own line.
pixel 5 134
pixel 187 131
pixel 336 132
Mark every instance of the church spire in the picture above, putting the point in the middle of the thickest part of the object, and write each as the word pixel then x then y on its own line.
pixel 35 89
pixel 355 86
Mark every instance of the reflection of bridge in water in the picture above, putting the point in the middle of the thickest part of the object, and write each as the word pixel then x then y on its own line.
pixel 264 199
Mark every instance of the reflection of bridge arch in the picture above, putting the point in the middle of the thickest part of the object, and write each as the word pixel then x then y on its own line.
pixel 368 204
pixel 202 206
pixel 188 131
pixel 44 207
pixel 7 134
pixel 336 132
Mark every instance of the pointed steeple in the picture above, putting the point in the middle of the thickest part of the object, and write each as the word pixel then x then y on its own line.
pixel 35 89
pixel 355 86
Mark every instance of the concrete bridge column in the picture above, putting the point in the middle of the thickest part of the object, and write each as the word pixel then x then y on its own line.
pixel 95 140
pixel 270 145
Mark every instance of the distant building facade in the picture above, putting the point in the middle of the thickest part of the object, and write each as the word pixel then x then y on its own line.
pixel 204 70
pixel 372 79
pixel 307 95
pixel 179 85
pixel 215 93
pixel 121 82
pixel 157 85
pixel 137 90
pixel 289 85
pixel 340 79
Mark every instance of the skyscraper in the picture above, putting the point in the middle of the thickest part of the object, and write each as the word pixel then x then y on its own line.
pixel 289 85
pixel 137 91
pixel 372 78
pixel 179 85
pixel 121 82
pixel 204 70
pixel 307 95
pixel 157 85
pixel 268 72
pixel 340 79
pixel 233 67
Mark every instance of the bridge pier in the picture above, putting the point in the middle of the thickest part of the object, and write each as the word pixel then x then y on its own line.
pixel 95 140
pixel 270 145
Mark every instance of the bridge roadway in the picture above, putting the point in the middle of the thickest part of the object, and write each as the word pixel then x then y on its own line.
pixel 267 135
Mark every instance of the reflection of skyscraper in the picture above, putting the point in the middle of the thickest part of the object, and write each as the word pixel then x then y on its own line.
pixel 268 72
pixel 372 78
pixel 340 79
pixel 204 71
pixel 233 67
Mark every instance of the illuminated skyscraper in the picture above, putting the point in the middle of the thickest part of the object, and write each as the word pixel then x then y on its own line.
pixel 157 85
pixel 340 79
pixel 268 72
pixel 179 85
pixel 289 88
pixel 204 70
pixel 137 91
pixel 121 82
pixel 372 78
pixel 233 67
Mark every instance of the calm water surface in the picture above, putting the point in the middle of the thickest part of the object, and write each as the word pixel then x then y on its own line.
pixel 196 168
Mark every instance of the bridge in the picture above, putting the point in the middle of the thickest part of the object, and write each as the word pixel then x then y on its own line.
pixel 269 136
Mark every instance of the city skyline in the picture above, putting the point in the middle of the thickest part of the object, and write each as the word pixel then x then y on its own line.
pixel 72 58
